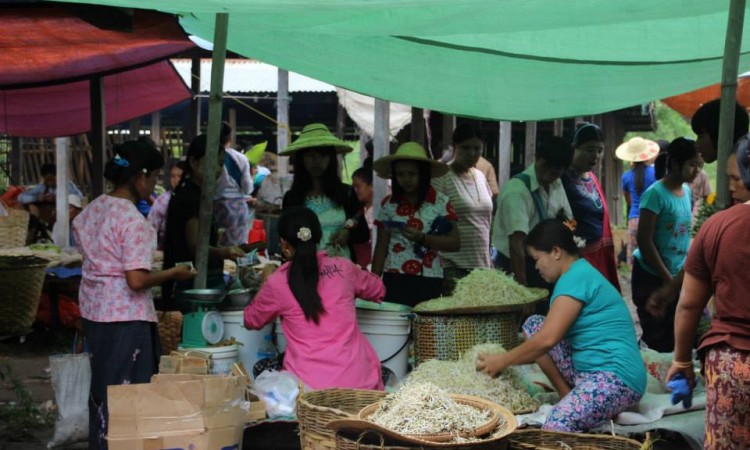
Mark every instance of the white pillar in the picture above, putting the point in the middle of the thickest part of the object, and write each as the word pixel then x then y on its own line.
pixel 530 143
pixel 61 235
pixel 503 163
pixel 381 147
pixel 282 117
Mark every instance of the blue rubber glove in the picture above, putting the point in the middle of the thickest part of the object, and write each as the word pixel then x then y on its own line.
pixel 680 388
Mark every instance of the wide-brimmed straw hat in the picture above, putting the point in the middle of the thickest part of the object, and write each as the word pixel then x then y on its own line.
pixel 409 151
pixel 637 149
pixel 316 135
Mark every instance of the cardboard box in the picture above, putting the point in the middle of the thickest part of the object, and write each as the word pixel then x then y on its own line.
pixel 229 438
pixel 257 409
pixel 175 404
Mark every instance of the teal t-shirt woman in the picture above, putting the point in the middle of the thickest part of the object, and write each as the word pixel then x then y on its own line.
pixel 586 345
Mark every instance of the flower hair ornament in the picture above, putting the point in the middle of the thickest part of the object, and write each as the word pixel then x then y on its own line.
pixel 304 234
pixel 579 241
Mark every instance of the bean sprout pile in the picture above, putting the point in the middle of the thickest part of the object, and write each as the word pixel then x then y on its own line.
pixel 461 377
pixel 424 408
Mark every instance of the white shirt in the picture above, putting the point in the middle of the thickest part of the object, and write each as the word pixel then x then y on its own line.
pixel 226 185
pixel 516 210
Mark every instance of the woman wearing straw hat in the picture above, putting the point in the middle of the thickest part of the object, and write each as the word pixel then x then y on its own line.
pixel 588 203
pixel 317 185
pixel 414 224
pixel 639 152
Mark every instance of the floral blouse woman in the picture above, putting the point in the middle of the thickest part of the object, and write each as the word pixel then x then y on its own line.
pixel 414 224
pixel 318 186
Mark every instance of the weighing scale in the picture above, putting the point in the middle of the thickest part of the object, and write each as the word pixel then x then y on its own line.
pixel 204 326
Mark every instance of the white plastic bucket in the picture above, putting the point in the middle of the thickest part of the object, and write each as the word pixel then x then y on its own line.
pixel 234 326
pixel 388 332
pixel 222 358
pixel 280 338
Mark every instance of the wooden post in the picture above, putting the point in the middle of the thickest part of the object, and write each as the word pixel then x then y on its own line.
pixel 62 229
pixel 530 144
pixel 195 104
pixel 504 155
pixel 15 161
pixel 725 145
pixel 282 117
pixel 210 160
pixel 417 126
pixel 98 134
pixel 233 123
pixel 340 120
pixel 156 127
pixel 135 128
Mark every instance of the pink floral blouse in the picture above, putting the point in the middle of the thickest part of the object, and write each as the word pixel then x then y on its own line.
pixel 113 238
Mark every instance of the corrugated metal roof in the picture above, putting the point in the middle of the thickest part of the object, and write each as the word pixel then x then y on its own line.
pixel 244 75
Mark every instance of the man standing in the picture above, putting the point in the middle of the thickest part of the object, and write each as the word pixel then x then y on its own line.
pixel 528 198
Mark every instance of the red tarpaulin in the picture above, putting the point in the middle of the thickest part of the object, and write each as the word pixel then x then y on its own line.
pixel 64 109
pixel 47 55
pixel 686 104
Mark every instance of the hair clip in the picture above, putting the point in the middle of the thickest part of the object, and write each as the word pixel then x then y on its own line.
pixel 304 234
pixel 570 224
pixel 120 161
pixel 579 241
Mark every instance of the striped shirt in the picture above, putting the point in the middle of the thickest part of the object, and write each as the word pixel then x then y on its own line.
pixel 472 200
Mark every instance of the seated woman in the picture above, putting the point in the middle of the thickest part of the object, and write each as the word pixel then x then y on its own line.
pixel 586 345
pixel 314 294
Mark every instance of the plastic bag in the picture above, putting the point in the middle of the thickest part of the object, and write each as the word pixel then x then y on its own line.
pixel 71 381
pixel 279 390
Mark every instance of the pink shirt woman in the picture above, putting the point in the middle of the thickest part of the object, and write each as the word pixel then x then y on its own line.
pixel 325 347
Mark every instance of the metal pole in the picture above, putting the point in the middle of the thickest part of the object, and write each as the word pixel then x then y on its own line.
pixel 729 69
pixel 282 117
pixel 210 162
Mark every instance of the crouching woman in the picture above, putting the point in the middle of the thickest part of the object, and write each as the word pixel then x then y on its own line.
pixel 586 345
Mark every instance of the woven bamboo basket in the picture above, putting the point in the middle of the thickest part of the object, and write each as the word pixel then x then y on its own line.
pixel 14 228
pixel 376 441
pixel 315 409
pixel 446 337
pixel 21 278
pixel 536 439
pixel 170 330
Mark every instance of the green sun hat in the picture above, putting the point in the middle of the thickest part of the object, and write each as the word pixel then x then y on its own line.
pixel 409 151
pixel 316 135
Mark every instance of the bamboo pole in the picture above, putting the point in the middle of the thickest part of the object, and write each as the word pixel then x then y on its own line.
pixel 210 162
pixel 732 46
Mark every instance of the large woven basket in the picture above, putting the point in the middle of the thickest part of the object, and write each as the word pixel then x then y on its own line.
pixel 315 409
pixel 446 337
pixel 536 439
pixel 14 228
pixel 375 441
pixel 21 280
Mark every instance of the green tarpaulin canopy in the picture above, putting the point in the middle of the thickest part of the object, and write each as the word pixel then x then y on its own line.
pixel 499 59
